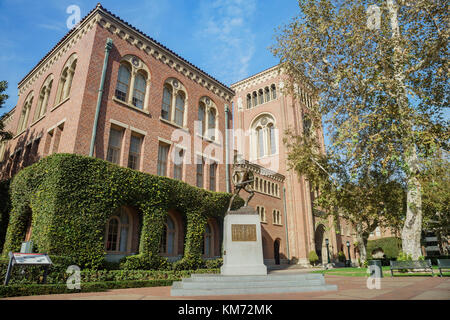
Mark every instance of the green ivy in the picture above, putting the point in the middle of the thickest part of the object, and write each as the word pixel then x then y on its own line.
pixel 5 204
pixel 71 198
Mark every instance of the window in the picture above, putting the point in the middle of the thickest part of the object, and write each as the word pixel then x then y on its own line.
pixel 178 164
pixel 44 94
pixel 262 213
pixel 212 176
pixel 133 82
pixel 174 102
pixel 207 245
pixel 65 82
pixel 118 235
pixel 2 150
pixel 261 96
pixel 163 152
pixel 276 217
pixel 264 136
pixel 249 101
pixel 168 237
pixel 23 120
pixel 179 109
pixel 255 99
pixel 135 152
pixel 114 146
pixel 260 135
pixel 274 92
pixel 140 84
pixel 202 117
pixel 167 102
pixel 267 94
pixel 123 82
pixel 212 123
pixel 200 168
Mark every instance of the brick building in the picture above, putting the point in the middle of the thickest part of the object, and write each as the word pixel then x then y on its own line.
pixel 158 113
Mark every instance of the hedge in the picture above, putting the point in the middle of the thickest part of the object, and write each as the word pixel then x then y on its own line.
pixel 4 210
pixel 391 247
pixel 71 198
pixel 44 289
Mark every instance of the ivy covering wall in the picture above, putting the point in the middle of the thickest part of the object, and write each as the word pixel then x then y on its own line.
pixel 4 210
pixel 71 198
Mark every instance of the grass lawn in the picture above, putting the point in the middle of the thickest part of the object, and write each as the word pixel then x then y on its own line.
pixel 362 272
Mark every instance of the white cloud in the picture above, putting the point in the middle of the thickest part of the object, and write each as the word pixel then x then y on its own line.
pixel 225 28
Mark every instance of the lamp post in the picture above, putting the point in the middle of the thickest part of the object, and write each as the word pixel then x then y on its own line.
pixel 328 251
pixel 349 258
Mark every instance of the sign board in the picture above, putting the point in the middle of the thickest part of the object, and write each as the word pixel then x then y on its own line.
pixel 31 258
pixel 243 232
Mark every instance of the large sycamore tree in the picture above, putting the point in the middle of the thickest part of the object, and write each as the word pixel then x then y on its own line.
pixel 381 73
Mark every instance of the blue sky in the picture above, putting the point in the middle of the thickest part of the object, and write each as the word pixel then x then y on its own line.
pixel 228 39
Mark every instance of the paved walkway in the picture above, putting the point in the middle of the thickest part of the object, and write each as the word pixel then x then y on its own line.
pixel 349 288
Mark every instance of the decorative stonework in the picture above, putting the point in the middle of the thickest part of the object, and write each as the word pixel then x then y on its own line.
pixel 113 25
pixel 256 79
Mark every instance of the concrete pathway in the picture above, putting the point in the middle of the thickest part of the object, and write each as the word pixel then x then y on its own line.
pixel 349 288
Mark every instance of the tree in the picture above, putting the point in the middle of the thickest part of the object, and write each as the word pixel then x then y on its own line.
pixel 4 135
pixel 382 87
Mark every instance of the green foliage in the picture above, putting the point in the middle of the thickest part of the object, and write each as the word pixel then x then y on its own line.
pixel 341 256
pixel 5 205
pixel 4 135
pixel 45 289
pixel 67 193
pixel 402 256
pixel 312 257
pixel 391 247
pixel 214 263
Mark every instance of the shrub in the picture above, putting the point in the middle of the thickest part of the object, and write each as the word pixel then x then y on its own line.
pixel 390 246
pixel 66 193
pixel 403 256
pixel 313 258
pixel 4 210
pixel 341 256
pixel 214 264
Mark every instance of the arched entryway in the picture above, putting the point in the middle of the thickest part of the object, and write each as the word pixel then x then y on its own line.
pixel 276 251
pixel 321 249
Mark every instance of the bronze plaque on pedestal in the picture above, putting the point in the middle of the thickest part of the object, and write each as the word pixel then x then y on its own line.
pixel 243 232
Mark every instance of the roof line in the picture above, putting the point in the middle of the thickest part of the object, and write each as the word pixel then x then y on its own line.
pixel 254 75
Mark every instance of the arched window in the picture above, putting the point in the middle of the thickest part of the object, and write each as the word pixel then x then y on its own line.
pixel 249 101
pixel 24 115
pixel 118 233
pixel 123 82
pixel 44 94
pixel 133 82
pixel 274 91
pixel 168 237
pixel 179 109
pixel 140 84
pixel 167 102
pixel 263 140
pixel 207 247
pixel 273 144
pixel 262 212
pixel 261 96
pixel 255 99
pixel 212 123
pixel 174 102
pixel 65 83
pixel 256 184
pixel 202 117
pixel 260 134
pixel 267 94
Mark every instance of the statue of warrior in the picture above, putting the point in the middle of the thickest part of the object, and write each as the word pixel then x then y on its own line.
pixel 242 179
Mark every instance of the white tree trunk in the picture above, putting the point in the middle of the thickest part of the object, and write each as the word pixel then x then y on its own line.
pixel 361 243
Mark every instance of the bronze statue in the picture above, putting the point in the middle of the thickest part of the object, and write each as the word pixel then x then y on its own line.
pixel 242 179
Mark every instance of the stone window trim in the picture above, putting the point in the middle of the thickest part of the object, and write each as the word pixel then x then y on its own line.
pixel 44 95
pixel 66 79
pixel 25 114
pixel 261 137
pixel 262 214
pixel 177 91
pixel 209 106
pixel 276 215
pixel 129 225
pixel 261 96
pixel 135 67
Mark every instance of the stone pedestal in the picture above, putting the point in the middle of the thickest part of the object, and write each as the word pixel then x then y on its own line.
pixel 242 244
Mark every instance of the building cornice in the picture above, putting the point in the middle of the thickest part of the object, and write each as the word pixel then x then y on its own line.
pixel 124 30
pixel 260 170
pixel 260 77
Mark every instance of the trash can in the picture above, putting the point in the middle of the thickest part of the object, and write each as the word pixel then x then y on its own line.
pixel 375 269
